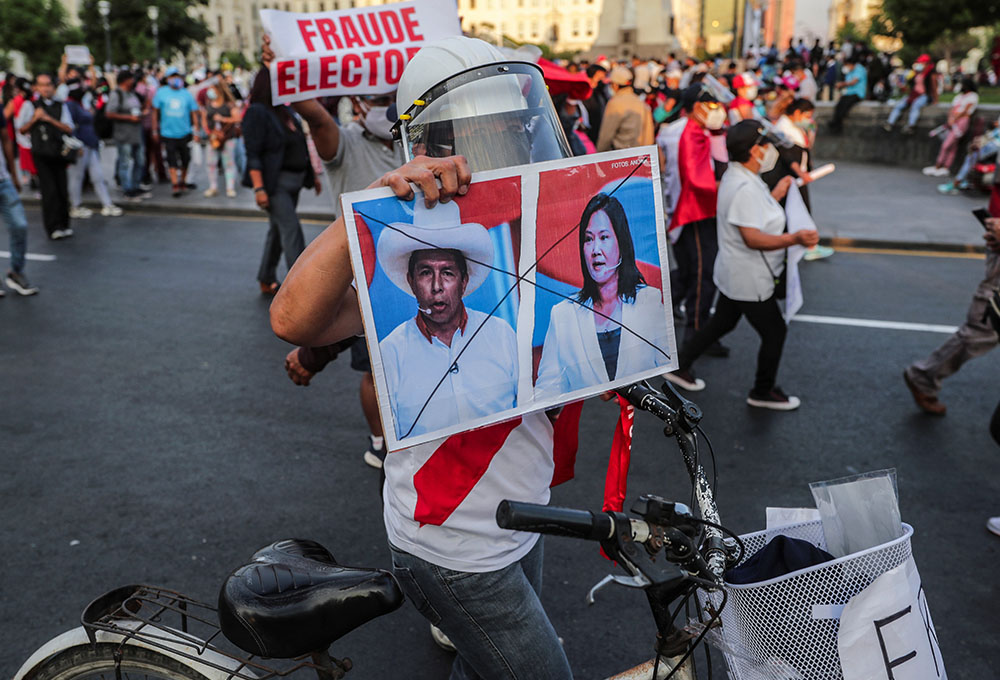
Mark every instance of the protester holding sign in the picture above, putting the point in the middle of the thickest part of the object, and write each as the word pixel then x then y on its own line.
pixel 354 154
pixel 478 583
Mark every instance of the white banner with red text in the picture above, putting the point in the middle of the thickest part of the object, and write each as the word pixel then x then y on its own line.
pixel 354 51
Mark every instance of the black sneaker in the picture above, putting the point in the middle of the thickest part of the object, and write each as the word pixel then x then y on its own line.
pixel 685 380
pixel 178 191
pixel 373 456
pixel 19 283
pixel 776 400
pixel 189 185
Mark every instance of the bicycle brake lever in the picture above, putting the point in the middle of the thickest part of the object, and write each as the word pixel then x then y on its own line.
pixel 637 581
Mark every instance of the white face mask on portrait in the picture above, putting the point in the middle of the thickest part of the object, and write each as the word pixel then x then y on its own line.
pixel 377 123
pixel 770 158
pixel 715 118
pixel 751 92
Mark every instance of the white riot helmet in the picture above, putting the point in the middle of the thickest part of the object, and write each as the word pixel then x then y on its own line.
pixel 461 96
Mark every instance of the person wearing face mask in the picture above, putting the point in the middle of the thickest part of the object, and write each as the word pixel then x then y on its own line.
pixel 700 163
pixel 752 241
pixel 741 108
pixel 220 120
pixel 854 87
pixel 175 121
pixel 627 121
pixel 922 90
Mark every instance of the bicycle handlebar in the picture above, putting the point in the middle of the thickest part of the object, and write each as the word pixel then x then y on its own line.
pixel 555 521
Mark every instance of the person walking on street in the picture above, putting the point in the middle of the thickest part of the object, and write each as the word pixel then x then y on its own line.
pixel 89 162
pixel 47 122
pixel 627 121
pixel 124 109
pixel 175 121
pixel 598 99
pixel 973 338
pixel 12 212
pixel 220 120
pixel 854 86
pixel 278 167
pixel 752 241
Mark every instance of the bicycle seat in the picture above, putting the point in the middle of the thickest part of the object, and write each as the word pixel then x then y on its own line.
pixel 293 598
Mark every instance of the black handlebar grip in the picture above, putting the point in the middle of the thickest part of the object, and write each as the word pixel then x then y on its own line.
pixel 547 519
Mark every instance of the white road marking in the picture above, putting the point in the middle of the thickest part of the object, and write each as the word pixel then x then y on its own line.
pixel 875 323
pixel 37 257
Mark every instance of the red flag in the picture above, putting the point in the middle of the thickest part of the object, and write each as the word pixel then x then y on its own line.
pixel 566 441
pixel 621 452
pixel 698 190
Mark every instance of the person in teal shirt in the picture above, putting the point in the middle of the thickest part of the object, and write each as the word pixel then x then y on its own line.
pixel 855 86
pixel 175 120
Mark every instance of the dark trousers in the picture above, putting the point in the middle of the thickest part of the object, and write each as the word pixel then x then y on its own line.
pixel 53 184
pixel 692 282
pixel 154 158
pixel 766 319
pixel 840 111
pixel 285 232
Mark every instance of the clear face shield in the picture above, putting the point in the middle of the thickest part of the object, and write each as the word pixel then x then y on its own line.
pixel 496 116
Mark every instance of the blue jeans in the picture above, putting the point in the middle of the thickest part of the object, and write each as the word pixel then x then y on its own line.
pixel 131 158
pixel 915 108
pixel 495 619
pixel 17 224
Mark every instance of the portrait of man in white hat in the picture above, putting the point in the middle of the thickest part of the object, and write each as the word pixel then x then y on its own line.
pixel 448 363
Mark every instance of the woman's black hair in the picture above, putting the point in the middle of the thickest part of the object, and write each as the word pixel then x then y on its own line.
pixel 969 84
pixel 76 89
pixel 260 93
pixel 629 276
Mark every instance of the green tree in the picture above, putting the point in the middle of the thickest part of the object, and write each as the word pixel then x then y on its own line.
pixel 37 28
pixel 920 22
pixel 235 58
pixel 131 30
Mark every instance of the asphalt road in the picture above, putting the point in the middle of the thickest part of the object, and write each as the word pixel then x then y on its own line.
pixel 148 433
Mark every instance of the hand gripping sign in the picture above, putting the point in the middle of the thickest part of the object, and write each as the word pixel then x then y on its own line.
pixel 354 51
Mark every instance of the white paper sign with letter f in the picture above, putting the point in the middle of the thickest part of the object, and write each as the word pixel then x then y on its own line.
pixel 886 631
pixel 354 51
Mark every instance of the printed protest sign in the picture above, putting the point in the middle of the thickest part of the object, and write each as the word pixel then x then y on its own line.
pixel 77 54
pixel 544 284
pixel 353 51
pixel 886 631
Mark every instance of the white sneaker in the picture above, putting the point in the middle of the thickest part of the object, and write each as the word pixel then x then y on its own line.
pixel 776 400
pixel 209 193
pixel 111 211
pixel 57 234
pixel 993 524
pixel 80 213
pixel 942 172
pixel 67 232
pixel 441 639
pixel 685 380
pixel 231 193
pixel 930 171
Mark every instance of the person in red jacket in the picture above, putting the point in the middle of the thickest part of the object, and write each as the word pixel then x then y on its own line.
pixel 701 160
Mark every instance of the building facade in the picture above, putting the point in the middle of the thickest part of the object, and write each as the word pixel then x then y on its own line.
pixel 635 28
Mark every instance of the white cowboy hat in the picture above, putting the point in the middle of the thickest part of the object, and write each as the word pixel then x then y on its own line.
pixel 440 227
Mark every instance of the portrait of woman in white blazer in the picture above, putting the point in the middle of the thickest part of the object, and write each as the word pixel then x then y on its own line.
pixel 616 325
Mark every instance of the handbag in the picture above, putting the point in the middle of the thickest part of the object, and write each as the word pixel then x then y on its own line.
pixel 781 280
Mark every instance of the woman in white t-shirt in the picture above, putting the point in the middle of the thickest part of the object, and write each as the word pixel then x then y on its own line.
pixel 959 116
pixel 752 243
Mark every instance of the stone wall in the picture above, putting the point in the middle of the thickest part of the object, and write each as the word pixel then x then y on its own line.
pixel 864 140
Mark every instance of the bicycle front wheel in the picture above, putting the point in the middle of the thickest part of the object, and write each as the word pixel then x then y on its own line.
pixel 98 663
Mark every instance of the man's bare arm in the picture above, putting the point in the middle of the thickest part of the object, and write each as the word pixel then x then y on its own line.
pixel 316 304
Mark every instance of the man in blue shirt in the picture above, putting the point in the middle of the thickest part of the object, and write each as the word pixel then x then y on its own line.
pixel 855 86
pixel 175 118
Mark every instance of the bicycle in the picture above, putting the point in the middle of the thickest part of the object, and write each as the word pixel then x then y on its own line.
pixel 280 613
